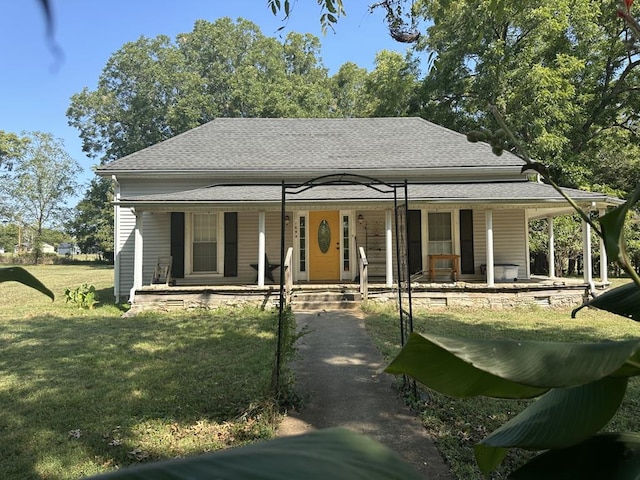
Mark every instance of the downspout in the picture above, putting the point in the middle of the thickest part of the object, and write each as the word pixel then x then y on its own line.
pixel 116 238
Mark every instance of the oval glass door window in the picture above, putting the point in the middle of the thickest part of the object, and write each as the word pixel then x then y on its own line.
pixel 324 236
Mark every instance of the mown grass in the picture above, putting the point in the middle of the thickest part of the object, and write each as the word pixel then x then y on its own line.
pixel 456 424
pixel 87 391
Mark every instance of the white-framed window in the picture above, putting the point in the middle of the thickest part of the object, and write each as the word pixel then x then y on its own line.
pixel 440 236
pixel 205 242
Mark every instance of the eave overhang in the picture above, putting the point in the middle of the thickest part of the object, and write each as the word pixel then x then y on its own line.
pixel 523 194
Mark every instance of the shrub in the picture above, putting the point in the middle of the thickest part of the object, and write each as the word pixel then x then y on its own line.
pixel 84 296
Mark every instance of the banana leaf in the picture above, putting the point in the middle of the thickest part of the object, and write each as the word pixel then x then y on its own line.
pixel 19 274
pixel 466 367
pixel 614 456
pixel 612 225
pixel 338 454
pixel 561 418
pixel 623 300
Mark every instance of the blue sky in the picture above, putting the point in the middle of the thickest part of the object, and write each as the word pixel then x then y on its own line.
pixel 35 92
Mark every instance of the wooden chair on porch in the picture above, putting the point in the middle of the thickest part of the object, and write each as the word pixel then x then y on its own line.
pixel 162 271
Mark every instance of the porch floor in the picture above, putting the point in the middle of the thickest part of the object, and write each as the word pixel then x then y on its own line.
pixel 539 290
pixel 422 283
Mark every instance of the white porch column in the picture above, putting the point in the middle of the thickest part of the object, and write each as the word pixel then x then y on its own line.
pixel 490 270
pixel 587 270
pixel 604 261
pixel 116 239
pixel 388 247
pixel 138 251
pixel 261 247
pixel 552 248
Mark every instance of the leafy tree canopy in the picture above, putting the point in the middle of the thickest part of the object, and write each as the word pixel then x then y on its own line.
pixel 11 147
pixel 153 89
pixel 556 70
pixel 92 225
pixel 330 10
pixel 41 182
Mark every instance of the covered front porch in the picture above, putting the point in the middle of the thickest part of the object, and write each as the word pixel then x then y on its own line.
pixel 226 244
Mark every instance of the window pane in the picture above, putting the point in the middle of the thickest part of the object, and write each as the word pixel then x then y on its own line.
pixel 205 257
pixel 345 243
pixel 303 242
pixel 440 240
pixel 205 245
pixel 440 226
pixel 205 227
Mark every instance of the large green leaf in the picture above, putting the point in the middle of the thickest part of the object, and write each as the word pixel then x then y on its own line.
pixel 336 454
pixel 19 274
pixel 631 367
pixel 425 359
pixel 561 418
pixel 623 300
pixel 614 456
pixel 612 224
pixel 506 368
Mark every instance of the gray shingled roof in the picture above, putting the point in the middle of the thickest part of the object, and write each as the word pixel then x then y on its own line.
pixel 312 144
pixel 499 192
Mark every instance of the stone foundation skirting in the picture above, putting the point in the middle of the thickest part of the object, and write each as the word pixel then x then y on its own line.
pixel 554 298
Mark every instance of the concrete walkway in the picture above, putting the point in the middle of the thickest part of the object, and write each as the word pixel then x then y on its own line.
pixel 340 379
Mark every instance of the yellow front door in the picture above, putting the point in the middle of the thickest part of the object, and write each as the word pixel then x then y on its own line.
pixel 324 246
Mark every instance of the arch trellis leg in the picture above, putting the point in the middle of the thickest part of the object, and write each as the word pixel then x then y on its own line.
pixel 405 310
pixel 406 258
pixel 281 307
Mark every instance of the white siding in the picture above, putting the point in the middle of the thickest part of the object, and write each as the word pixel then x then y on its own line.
pixel 479 240
pixel 131 187
pixel 157 241
pixel 509 239
pixel 248 242
pixel 248 246
pixel 126 251
pixel 373 240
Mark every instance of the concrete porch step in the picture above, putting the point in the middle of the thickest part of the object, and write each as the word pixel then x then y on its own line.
pixel 325 300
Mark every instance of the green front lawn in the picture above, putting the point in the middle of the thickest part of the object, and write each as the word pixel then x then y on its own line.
pixel 87 391
pixel 457 425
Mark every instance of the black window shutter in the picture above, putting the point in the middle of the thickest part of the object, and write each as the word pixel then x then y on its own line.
pixel 177 244
pixel 466 242
pixel 231 244
pixel 414 222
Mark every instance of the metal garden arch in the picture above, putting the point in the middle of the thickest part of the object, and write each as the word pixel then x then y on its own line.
pixel 405 312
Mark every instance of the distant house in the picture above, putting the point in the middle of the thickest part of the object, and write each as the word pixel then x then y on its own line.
pixel 68 248
pixel 28 248
pixel 211 200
